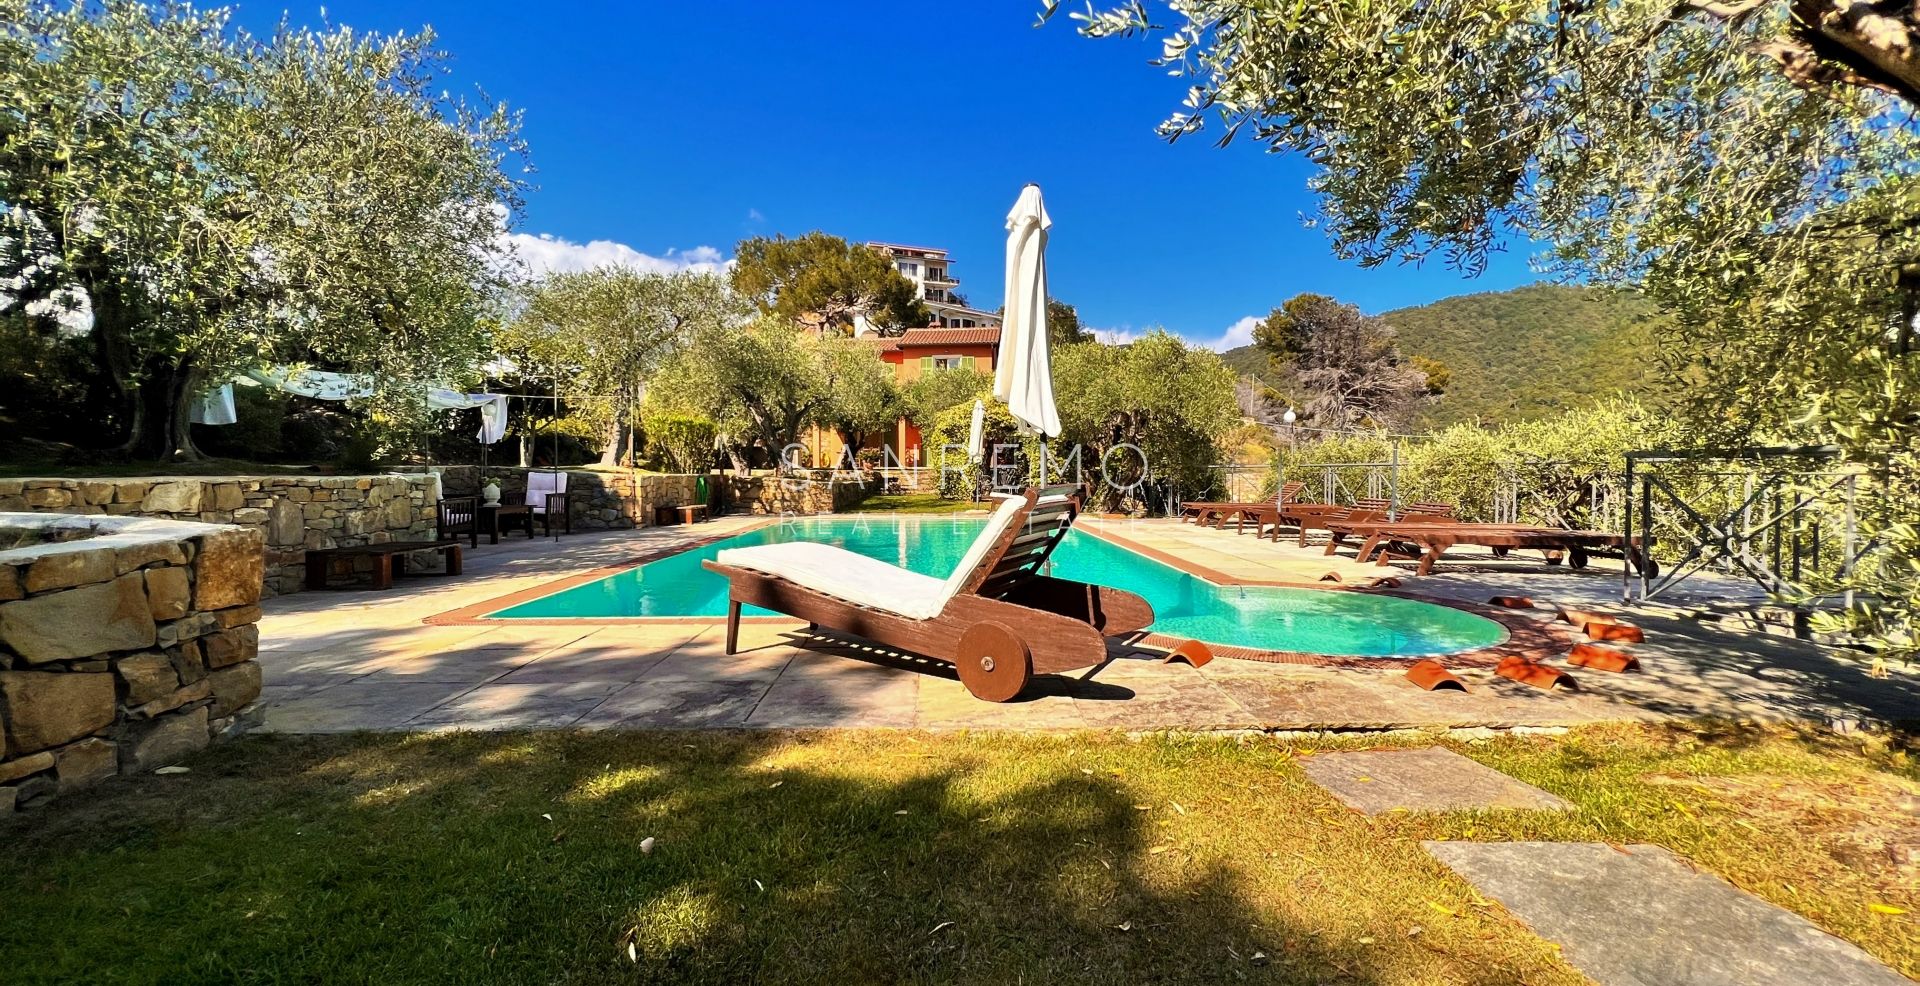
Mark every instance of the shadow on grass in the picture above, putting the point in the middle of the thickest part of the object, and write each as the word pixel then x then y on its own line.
pixel 522 858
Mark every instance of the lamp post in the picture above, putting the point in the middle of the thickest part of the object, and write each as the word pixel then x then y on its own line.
pixel 1290 417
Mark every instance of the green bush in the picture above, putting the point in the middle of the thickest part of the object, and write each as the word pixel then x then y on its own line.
pixel 684 442
pixel 1557 465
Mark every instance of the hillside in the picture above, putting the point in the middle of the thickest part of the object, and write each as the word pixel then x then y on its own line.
pixel 1523 353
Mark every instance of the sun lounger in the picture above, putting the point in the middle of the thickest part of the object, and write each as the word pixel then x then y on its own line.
pixel 1200 512
pixel 1307 517
pixel 1427 541
pixel 997 619
pixel 1339 530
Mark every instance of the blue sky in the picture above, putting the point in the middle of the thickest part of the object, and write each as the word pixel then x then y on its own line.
pixel 662 133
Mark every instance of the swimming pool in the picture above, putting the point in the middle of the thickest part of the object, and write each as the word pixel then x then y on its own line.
pixel 1313 621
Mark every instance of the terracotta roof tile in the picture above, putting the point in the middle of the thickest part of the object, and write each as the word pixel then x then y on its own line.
pixel 950 337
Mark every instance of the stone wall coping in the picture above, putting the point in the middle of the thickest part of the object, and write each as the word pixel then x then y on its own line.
pixel 222 478
pixel 105 532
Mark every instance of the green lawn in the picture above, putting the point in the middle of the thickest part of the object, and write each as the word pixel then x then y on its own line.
pixel 915 503
pixel 889 857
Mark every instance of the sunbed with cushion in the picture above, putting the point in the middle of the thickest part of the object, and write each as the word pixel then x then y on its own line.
pixel 1203 511
pixel 996 618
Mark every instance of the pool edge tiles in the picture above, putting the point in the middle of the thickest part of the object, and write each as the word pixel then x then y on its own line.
pixel 1518 634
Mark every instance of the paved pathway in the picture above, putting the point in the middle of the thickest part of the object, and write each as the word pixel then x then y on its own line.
pixel 1429 779
pixel 346 660
pixel 1641 916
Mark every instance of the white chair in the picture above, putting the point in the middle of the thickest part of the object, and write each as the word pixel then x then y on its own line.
pixel 548 500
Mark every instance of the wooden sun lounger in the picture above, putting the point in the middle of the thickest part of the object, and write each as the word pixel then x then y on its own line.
pixel 1201 512
pixel 1308 517
pixel 1006 624
pixel 1356 526
pixel 1428 541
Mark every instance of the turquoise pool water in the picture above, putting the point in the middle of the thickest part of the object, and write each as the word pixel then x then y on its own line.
pixel 1312 621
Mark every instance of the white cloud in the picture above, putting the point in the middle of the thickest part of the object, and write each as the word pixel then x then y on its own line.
pixel 1119 336
pixel 754 216
pixel 1238 334
pixel 545 253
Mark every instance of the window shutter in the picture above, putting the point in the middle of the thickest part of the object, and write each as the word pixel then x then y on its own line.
pixel 926 365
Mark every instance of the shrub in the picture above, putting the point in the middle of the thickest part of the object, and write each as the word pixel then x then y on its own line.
pixel 684 442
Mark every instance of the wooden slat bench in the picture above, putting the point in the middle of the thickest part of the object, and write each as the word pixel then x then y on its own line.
pixel 388 560
pixel 688 514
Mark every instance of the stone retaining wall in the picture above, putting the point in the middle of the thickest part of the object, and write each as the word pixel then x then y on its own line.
pixel 292 513
pixel 777 495
pixel 125 644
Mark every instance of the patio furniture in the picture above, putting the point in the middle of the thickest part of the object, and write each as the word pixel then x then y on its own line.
pixel 1429 540
pixel 1202 511
pixel 548 498
pixel 389 560
pixel 1307 517
pixel 691 513
pixel 1339 530
pixel 498 517
pixel 996 618
pixel 460 515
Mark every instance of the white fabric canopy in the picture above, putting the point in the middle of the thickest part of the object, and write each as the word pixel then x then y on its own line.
pixel 1024 377
pixel 215 406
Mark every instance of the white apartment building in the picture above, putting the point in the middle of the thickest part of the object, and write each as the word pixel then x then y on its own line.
pixel 931 272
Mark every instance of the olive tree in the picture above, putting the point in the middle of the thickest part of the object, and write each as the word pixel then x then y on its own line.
pixel 602 333
pixel 1749 163
pixel 200 200
pixel 764 383
pixel 1147 412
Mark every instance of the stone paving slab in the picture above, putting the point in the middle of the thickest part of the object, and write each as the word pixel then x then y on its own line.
pixel 1430 779
pixel 1645 917
pixel 516 706
pixel 678 704
pixel 359 704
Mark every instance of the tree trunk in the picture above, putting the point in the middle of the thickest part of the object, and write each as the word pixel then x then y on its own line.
pixel 159 430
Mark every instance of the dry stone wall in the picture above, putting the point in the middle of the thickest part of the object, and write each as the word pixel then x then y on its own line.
pixel 780 496
pixel 125 644
pixel 292 513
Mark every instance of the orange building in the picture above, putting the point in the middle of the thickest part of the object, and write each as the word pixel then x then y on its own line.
pixel 913 355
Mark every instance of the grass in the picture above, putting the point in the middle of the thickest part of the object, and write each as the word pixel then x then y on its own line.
pixel 914 503
pixel 879 856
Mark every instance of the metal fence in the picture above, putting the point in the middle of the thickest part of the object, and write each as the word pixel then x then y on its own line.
pixel 1781 517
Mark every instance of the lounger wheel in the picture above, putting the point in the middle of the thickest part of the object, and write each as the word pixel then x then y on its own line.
pixel 993 662
pixel 1577 558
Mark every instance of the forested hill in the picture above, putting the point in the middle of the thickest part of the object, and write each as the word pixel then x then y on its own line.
pixel 1522 353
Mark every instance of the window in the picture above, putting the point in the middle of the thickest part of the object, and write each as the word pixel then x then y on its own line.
pixel 952 362
pixel 909 268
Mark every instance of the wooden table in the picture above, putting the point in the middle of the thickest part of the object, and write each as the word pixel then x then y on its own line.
pixel 388 560
pixel 510 516
pixel 688 514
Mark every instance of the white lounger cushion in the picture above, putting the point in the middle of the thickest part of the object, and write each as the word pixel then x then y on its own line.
pixel 846 575
pixel 865 581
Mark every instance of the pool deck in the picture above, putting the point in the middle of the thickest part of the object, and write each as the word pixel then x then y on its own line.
pixel 358 660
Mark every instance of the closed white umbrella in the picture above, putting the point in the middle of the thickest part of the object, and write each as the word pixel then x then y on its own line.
pixel 976 433
pixel 1024 377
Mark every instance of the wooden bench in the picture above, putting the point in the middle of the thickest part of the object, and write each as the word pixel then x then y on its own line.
pixel 689 514
pixel 388 560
